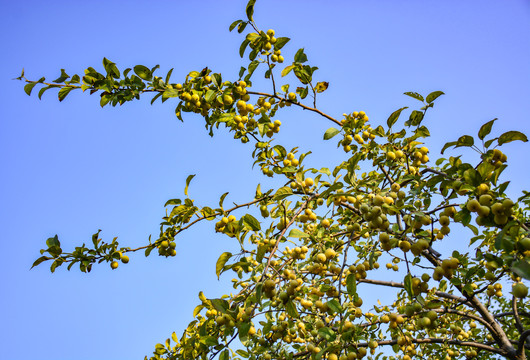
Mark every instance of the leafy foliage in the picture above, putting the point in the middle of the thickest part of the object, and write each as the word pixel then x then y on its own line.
pixel 303 267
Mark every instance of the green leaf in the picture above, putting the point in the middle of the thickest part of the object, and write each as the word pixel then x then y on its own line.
pixel 225 355
pixel 105 98
pixel 234 24
pixel 465 140
pixel 188 180
pixel 241 27
pixel 29 87
pixel 485 129
pixel 280 42
pixel 62 78
pixel 222 199
pixel 209 340
pixel 40 260
pixel 287 70
pixel 143 72
pixel 251 222
pixel 64 91
pixel 169 75
pixel 512 136
pixel 221 263
pixel 415 118
pixel 447 145
pixel 291 309
pixel 53 241
pixel 433 96
pixel 394 116
pixel 351 284
pixel 42 90
pixel 408 285
pixel 300 56
pixel 295 233
pixel 250 9
pixel 111 68
pixel 331 132
pixel 282 193
pixel 210 96
pixel 243 47
pixel 243 353
pixel 220 305
pixel 414 95
pixel 472 176
pixel 327 334
pixel 522 268
pixel 334 305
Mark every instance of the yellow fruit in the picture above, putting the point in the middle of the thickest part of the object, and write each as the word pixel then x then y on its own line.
pixel 125 259
pixel 227 100
pixel 114 265
pixel 404 245
pixel 330 253
pixel 482 188
pixel 292 96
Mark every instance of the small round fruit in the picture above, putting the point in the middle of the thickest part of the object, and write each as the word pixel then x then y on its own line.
pixel 485 199
pixel 525 244
pixel 114 265
pixel 473 205
pixel 404 245
pixel 125 259
pixel 330 253
pixel 483 188
pixel 520 290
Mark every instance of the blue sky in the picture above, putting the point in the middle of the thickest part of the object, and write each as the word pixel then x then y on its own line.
pixel 72 168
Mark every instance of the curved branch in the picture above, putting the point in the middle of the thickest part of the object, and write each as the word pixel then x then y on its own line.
pixel 521 342
pixel 443 341
pixel 305 107
pixel 518 323
pixel 400 285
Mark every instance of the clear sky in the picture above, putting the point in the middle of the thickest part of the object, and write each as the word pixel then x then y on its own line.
pixel 71 168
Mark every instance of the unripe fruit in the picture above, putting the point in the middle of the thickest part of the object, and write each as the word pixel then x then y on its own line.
pixel 483 211
pixel 520 290
pixel 444 220
pixel 485 200
pixel 473 205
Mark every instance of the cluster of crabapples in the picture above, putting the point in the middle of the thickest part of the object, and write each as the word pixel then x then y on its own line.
pixel 304 186
pixel 489 211
pixel 265 42
pixel 222 224
pixel 120 256
pixel 352 123
pixel 194 95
